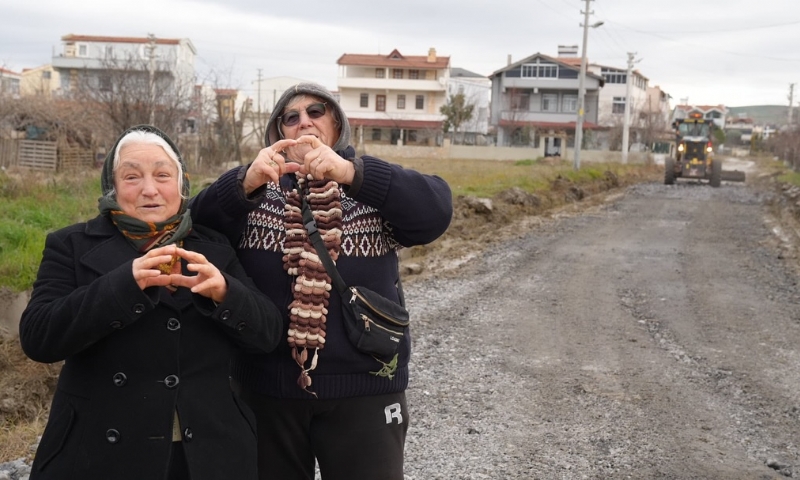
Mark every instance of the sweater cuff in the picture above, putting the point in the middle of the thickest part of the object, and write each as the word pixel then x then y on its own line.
pixel 375 182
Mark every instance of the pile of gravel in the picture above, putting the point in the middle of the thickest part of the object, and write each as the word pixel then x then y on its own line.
pixel 15 470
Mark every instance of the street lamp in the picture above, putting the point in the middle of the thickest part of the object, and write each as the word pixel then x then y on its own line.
pixel 582 88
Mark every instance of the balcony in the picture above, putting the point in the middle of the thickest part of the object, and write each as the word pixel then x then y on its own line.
pixel 397 84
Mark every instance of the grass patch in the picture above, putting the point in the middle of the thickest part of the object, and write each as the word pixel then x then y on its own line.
pixel 36 203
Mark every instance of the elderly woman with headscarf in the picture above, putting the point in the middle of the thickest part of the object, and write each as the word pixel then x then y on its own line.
pixel 147 311
pixel 317 396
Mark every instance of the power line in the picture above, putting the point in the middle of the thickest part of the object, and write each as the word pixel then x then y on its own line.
pixel 705 46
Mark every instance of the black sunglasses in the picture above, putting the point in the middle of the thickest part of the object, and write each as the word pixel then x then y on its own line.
pixel 292 117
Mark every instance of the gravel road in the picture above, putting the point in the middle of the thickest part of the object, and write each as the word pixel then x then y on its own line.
pixel 656 336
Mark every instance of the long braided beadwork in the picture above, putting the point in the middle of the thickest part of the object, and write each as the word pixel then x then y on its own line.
pixel 312 285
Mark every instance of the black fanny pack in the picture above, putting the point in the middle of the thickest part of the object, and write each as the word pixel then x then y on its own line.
pixel 375 325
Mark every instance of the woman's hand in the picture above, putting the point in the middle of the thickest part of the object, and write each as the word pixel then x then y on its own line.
pixel 146 269
pixel 208 282
pixel 269 165
pixel 321 161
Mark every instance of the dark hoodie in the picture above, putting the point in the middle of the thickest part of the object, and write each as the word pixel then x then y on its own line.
pixel 393 207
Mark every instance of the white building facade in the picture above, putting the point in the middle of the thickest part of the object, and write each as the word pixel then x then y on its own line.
pixel 395 98
pixel 477 91
pixel 87 60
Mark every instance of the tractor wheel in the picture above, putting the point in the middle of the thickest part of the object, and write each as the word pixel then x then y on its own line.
pixel 669 171
pixel 716 173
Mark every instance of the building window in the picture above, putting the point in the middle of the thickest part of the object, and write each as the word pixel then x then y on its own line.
pixel 401 102
pixel 83 50
pixel 412 136
pixel 365 100
pixel 520 101
pixel 539 70
pixel 619 105
pixel 461 89
pixel 46 74
pixel 413 74
pixel 420 102
pixel 397 73
pixel 376 134
pixel 380 103
pixel 569 103
pixel 614 76
pixel 549 102
pixel 109 51
pixel 104 83
pixel 380 73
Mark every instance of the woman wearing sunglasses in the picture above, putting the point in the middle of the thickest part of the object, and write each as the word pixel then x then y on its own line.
pixel 317 397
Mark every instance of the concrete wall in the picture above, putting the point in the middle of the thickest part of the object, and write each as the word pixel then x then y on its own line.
pixel 467 152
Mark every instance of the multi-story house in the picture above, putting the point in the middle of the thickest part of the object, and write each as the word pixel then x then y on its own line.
pixel 476 89
pixel 614 94
pixel 40 81
pixel 394 98
pixel 535 100
pixel 657 134
pixel 9 83
pixel 718 113
pixel 93 62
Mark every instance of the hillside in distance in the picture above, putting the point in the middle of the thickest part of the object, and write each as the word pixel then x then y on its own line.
pixel 763 114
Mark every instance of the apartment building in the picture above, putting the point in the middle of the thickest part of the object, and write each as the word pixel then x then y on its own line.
pixel 535 100
pixel 395 98
pixel 9 83
pixel 87 61
pixel 477 90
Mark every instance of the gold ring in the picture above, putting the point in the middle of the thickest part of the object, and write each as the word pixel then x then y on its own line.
pixel 272 163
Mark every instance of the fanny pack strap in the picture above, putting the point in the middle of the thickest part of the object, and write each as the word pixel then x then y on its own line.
pixel 325 257
pixel 322 252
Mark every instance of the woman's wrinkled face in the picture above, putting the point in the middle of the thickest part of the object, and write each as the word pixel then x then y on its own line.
pixel 323 127
pixel 146 182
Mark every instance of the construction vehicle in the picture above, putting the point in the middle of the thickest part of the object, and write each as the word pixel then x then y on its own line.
pixel 694 153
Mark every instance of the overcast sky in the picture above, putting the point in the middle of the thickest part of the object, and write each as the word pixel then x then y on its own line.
pixel 729 52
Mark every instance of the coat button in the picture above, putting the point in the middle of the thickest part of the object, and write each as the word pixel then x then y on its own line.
pixel 138 308
pixel 171 381
pixel 226 314
pixel 173 324
pixel 241 326
pixel 116 324
pixel 120 379
pixel 187 434
pixel 113 436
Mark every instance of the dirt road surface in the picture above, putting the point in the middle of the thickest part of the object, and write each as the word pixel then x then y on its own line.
pixel 655 336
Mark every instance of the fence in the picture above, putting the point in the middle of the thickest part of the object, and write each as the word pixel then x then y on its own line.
pixel 8 152
pixel 43 155
pixel 37 155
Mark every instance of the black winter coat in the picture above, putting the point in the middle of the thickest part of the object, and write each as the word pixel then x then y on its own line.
pixel 133 357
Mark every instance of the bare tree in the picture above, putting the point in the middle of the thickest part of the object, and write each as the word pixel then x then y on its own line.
pixel 128 92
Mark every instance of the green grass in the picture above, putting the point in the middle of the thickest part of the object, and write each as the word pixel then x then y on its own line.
pixel 34 204
pixel 790 177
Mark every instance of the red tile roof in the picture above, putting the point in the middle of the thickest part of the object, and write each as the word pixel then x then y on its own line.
pixel 702 108
pixel 574 61
pixel 394 59
pixel 93 38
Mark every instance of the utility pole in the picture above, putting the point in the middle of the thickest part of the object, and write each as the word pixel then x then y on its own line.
pixel 259 95
pixel 582 89
pixel 791 102
pixel 627 125
pixel 151 55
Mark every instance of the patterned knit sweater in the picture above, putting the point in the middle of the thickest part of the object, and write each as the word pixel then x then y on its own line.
pixel 390 207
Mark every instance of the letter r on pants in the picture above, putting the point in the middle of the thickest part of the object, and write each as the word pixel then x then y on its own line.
pixel 393 411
